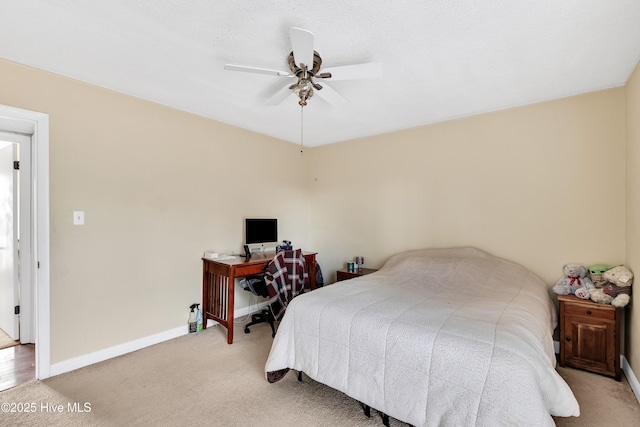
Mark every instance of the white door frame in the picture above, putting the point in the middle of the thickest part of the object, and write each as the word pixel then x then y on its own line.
pixel 37 125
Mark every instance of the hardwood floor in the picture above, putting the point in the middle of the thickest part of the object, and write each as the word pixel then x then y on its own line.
pixel 17 365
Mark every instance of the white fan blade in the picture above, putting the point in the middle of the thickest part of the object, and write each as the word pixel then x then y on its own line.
pixel 302 44
pixel 244 68
pixel 330 95
pixel 369 70
pixel 280 96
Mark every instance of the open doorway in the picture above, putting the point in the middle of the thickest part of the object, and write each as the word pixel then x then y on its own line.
pixel 17 363
pixel 30 310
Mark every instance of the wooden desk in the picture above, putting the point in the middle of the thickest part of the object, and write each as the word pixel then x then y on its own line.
pixel 218 284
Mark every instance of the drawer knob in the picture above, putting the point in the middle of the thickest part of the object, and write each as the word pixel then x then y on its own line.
pixel 588 311
pixel 568 339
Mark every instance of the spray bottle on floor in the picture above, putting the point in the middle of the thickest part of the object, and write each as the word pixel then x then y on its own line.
pixel 199 317
pixel 193 323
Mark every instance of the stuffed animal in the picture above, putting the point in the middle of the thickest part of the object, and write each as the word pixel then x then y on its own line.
pixel 595 273
pixel 575 281
pixel 617 291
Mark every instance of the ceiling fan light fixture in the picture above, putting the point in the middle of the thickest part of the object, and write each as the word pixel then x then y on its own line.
pixel 303 86
pixel 303 98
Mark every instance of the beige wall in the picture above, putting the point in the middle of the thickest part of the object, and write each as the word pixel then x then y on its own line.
pixel 158 187
pixel 633 215
pixel 542 185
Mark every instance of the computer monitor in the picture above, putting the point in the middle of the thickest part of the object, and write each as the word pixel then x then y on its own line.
pixel 261 230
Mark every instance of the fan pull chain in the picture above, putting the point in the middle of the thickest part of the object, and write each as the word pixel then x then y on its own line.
pixel 301 130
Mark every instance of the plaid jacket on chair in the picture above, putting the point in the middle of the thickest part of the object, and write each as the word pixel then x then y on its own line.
pixel 286 277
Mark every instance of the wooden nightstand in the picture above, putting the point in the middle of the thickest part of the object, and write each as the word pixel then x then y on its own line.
pixel 345 274
pixel 590 335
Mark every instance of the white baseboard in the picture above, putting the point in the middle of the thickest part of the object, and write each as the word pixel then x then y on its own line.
pixel 631 377
pixel 120 349
pixel 624 365
pixel 115 351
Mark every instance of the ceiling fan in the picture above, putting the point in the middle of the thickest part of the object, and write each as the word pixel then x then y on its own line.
pixel 306 65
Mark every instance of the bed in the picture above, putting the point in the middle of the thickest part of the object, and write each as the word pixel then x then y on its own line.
pixel 437 337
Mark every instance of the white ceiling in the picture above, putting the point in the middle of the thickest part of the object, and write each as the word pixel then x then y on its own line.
pixel 441 59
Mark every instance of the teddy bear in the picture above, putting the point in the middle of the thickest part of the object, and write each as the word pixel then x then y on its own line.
pixel 575 281
pixel 617 290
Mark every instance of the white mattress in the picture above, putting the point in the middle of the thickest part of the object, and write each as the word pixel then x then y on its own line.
pixel 436 337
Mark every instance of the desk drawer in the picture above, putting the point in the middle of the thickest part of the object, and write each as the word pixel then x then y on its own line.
pixel 249 270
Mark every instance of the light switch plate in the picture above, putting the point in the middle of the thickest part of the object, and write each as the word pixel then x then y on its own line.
pixel 78 217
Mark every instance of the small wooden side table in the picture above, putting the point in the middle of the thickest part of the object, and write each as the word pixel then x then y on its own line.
pixel 346 274
pixel 590 335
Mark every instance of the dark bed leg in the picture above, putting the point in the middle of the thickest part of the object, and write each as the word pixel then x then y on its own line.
pixel 385 419
pixel 367 411
pixel 300 376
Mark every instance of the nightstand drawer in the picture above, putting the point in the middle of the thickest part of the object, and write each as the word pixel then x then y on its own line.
pixel 346 275
pixel 600 311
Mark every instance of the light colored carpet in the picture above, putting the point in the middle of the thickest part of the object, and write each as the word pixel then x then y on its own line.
pixel 6 341
pixel 199 379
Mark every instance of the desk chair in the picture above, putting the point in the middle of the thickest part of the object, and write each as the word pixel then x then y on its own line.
pixel 285 278
pixel 257 286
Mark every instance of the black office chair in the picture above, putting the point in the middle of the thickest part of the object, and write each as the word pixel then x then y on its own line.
pixel 257 286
